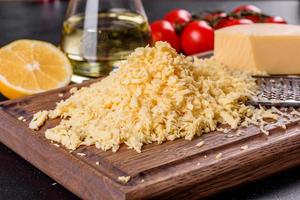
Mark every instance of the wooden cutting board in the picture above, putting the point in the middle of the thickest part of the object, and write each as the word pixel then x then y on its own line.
pixel 173 170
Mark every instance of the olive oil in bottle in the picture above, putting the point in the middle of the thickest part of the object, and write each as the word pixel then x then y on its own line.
pixel 95 44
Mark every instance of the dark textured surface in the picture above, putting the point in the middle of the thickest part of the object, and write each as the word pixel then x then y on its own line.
pixel 20 180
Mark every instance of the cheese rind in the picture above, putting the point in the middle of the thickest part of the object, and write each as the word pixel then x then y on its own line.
pixel 270 48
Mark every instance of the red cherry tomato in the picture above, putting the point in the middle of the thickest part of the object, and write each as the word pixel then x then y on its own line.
pixel 197 37
pixel 231 22
pixel 253 18
pixel 178 17
pixel 275 19
pixel 249 8
pixel 163 30
pixel 212 16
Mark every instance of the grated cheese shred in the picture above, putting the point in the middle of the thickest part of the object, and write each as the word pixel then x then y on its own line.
pixel 124 179
pixel 155 96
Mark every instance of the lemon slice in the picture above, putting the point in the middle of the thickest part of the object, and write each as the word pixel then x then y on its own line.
pixel 29 66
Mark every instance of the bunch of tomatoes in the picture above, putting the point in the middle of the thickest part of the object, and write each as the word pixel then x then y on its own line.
pixel 192 34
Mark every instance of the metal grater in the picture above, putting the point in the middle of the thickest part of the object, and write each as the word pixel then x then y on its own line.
pixel 278 91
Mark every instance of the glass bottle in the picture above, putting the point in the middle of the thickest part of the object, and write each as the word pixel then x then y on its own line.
pixel 97 34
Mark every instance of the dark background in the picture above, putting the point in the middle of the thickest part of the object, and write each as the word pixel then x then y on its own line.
pixel 20 180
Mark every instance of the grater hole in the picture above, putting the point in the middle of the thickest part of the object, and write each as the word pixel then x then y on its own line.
pixel 284 90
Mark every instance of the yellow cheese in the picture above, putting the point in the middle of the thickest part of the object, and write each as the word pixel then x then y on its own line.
pixel 270 48
pixel 156 95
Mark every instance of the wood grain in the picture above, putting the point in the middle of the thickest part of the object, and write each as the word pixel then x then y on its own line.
pixel 176 170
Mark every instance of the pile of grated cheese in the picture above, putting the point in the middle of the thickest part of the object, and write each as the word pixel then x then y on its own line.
pixel 155 96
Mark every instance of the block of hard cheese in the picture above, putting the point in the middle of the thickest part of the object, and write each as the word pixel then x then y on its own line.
pixel 272 48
